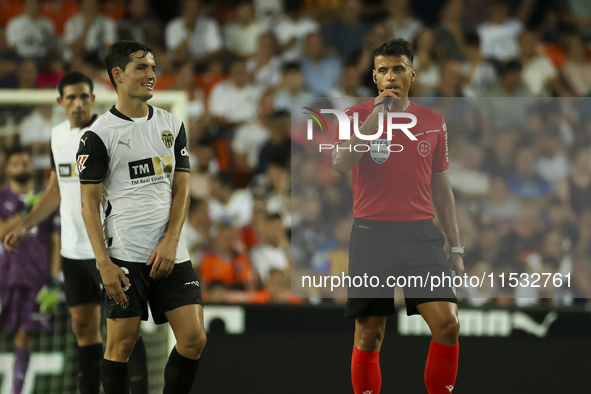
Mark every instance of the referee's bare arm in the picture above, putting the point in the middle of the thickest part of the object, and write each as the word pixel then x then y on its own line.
pixel 111 274
pixel 445 207
pixel 343 156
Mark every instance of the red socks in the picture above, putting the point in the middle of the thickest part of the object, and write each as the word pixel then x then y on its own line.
pixel 365 372
pixel 441 368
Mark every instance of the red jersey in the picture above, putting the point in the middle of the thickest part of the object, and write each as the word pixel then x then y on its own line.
pixel 392 181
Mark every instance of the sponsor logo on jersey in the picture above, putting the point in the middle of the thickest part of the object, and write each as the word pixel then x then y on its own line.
pixel 194 282
pixel 449 388
pixel 167 138
pixel 184 151
pixel 150 167
pixel 125 305
pixel 68 170
pixel 125 143
pixel 83 140
pixel 81 160
pixel 424 148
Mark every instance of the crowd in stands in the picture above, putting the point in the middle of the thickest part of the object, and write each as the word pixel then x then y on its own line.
pixel 520 168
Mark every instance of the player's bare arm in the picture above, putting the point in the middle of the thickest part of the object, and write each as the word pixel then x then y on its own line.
pixel 343 159
pixel 111 274
pixel 163 258
pixel 55 259
pixel 48 203
pixel 445 207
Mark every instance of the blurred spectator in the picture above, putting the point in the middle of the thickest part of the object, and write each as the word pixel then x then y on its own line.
pixel 378 34
pixel 30 34
pixel 291 86
pixel 499 160
pixel 292 29
pixel 252 234
pixel 475 12
pixel 552 164
pixel 222 263
pixel 265 65
pixel 451 82
pixel 511 82
pixel 278 147
pixel 478 71
pixel 59 11
pixel 524 182
pixel 185 80
pixel 250 138
pixel 469 180
pixel 273 252
pixel 499 34
pixel 558 218
pixel 51 74
pixel 88 32
pixel 197 229
pixel 449 31
pixel 577 69
pixel 27 74
pixel 426 61
pixel 278 197
pixel 521 240
pixel 332 258
pixel 141 25
pixel 539 74
pixel 192 35
pixel 321 72
pixel 227 204
pixel 345 36
pixel 350 85
pixel 500 209
pixel 487 247
pixel 203 165
pixel 575 191
pixel 277 290
pixel 242 35
pixel 309 232
pixel 268 10
pixel 93 67
pixel 234 101
pixel 8 64
pixel 400 21
pixel 35 131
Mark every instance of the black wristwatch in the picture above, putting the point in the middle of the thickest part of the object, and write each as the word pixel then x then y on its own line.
pixel 458 249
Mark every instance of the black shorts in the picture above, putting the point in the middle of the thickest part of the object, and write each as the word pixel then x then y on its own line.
pixel 180 288
pixel 82 282
pixel 395 249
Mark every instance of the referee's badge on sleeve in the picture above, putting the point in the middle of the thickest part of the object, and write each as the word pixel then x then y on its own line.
pixel 379 150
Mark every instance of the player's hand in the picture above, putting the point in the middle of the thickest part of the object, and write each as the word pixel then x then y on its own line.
pixel 112 277
pixel 162 260
pixel 387 96
pixel 13 238
pixel 457 263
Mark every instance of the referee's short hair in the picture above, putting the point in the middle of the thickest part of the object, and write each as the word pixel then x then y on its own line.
pixel 72 78
pixel 119 55
pixel 394 47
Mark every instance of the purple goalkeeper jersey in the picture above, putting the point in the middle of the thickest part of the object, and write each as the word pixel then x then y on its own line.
pixel 30 267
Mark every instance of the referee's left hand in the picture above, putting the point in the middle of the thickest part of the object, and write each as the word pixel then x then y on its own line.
pixel 162 260
pixel 457 263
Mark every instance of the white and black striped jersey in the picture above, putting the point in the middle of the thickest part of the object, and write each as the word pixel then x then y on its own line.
pixel 135 160
pixel 64 145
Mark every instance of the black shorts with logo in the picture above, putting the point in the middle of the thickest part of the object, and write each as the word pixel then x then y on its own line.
pixel 395 249
pixel 180 288
pixel 82 282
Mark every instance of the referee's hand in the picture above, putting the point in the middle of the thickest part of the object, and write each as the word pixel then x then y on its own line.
pixel 385 99
pixel 457 263
pixel 112 277
pixel 163 258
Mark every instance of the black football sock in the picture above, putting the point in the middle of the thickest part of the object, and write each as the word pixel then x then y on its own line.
pixel 137 372
pixel 89 362
pixel 179 373
pixel 114 377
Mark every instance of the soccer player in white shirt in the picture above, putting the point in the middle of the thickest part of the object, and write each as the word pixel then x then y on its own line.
pixel 134 162
pixel 82 282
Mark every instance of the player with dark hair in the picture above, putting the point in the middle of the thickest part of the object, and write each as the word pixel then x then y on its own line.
pixel 134 162
pixel 27 294
pixel 393 206
pixel 82 281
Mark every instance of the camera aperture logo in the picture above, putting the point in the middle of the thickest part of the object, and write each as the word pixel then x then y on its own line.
pixel 379 148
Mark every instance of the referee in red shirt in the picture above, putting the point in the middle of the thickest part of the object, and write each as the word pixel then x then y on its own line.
pixel 394 234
